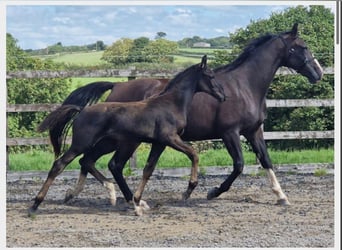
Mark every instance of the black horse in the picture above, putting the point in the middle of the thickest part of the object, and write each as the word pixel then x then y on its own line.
pixel 158 120
pixel 246 82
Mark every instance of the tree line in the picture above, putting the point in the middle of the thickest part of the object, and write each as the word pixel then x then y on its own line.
pixel 316 24
pixel 140 43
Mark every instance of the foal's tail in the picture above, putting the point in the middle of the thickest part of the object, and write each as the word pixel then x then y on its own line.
pixel 81 97
pixel 59 121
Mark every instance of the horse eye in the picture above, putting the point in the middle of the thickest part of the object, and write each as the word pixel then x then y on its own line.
pixel 292 50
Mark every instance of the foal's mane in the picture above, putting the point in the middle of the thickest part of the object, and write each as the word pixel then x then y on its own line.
pixel 248 51
pixel 177 78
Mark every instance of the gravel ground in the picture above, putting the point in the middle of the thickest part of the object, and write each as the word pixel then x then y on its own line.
pixel 246 216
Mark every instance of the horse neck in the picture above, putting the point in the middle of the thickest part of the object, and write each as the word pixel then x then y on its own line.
pixel 263 65
pixel 181 92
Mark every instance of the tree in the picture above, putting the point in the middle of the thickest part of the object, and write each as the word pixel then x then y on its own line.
pixel 160 50
pixel 316 25
pixel 136 52
pixel 118 52
pixel 100 45
pixel 22 91
pixel 160 35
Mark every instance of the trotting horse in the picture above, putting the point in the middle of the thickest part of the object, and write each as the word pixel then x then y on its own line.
pixel 246 81
pixel 158 120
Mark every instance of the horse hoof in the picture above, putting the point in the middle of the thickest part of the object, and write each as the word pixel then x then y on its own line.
pixel 139 211
pixel 68 198
pixel 143 204
pixel 283 202
pixel 141 208
pixel 112 201
pixel 185 196
pixel 31 212
pixel 69 195
pixel 213 193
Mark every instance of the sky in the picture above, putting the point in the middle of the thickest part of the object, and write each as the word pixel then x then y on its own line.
pixel 38 26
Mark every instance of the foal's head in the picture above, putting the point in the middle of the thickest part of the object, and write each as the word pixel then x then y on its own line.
pixel 198 78
pixel 299 57
pixel 207 82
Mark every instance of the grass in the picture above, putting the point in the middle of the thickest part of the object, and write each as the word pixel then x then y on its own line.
pixel 93 58
pixel 81 58
pixel 42 160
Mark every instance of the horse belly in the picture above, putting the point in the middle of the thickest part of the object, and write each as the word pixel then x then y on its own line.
pixel 201 119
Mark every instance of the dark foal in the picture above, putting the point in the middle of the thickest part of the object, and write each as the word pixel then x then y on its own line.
pixel 158 120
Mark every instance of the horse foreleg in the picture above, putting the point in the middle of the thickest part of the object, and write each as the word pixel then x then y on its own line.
pixel 259 147
pixel 232 143
pixel 117 163
pixel 275 186
pixel 177 143
pixel 139 205
pixel 57 168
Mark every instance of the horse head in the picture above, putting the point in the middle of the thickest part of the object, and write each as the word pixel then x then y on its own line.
pixel 299 57
pixel 208 83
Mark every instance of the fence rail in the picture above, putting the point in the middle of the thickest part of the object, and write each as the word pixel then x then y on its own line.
pixel 118 73
pixel 134 73
pixel 279 135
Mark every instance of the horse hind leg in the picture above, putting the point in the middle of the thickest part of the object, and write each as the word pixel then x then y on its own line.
pixel 88 166
pixel 57 168
pixel 71 193
pixel 259 147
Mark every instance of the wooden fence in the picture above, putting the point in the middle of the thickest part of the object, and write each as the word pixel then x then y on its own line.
pixel 133 73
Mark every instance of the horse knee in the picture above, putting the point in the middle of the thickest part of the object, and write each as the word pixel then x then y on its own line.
pixel 85 162
pixel 111 166
pixel 238 168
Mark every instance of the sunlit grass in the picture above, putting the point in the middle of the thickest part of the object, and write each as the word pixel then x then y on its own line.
pixel 42 160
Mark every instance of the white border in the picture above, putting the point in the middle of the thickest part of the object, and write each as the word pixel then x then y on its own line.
pixel 3 95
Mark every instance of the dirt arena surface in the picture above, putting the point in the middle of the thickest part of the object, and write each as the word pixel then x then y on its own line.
pixel 246 216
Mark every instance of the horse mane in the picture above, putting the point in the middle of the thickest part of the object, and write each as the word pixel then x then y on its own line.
pixel 248 51
pixel 177 78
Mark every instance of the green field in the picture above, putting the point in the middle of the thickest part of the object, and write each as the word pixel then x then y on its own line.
pixel 93 58
pixel 42 160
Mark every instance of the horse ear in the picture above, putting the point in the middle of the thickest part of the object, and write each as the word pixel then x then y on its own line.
pixel 294 31
pixel 204 62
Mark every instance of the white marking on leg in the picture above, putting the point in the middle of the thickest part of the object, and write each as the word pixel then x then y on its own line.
pixel 276 188
pixel 111 189
pixel 141 208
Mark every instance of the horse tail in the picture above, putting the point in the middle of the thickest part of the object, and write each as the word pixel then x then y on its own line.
pixel 83 96
pixel 58 122
pixel 88 94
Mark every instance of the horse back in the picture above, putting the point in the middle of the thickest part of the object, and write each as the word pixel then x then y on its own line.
pixel 136 90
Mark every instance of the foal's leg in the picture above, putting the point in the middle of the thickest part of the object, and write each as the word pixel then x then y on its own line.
pixel 87 163
pixel 156 151
pixel 233 145
pixel 57 168
pixel 259 147
pixel 177 143
pixel 90 167
pixel 117 164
